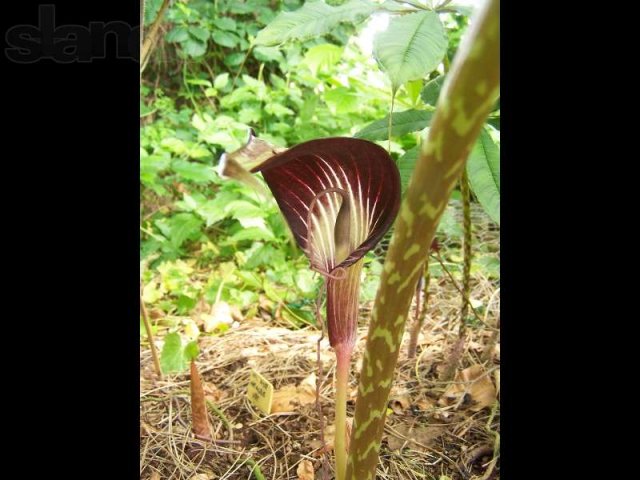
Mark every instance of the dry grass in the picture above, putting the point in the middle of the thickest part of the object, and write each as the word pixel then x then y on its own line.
pixel 425 437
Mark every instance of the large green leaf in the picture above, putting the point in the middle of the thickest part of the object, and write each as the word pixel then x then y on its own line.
pixel 483 169
pixel 412 46
pixel 402 123
pixel 315 18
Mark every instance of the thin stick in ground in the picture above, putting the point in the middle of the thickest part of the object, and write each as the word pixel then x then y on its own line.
pixel 152 346
pixel 458 346
pixel 422 290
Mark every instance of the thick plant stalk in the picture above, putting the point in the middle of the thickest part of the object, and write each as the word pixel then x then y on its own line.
pixel 149 41
pixel 142 2
pixel 343 293
pixel 342 314
pixel 342 383
pixel 468 94
pixel 339 196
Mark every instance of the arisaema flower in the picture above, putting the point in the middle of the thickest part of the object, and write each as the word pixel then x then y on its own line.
pixel 339 196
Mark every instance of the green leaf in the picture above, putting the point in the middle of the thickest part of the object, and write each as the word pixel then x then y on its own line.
pixel 198 151
pixel 234 59
pixel 191 351
pixel 298 317
pixel 308 108
pixel 190 202
pixel 225 23
pixel 412 46
pixel 172 357
pixel 243 210
pixel 200 33
pixel 225 39
pixel 322 57
pixel 212 211
pixel 413 88
pixel 431 90
pixel 250 279
pixel 241 7
pixel 250 115
pixel 196 172
pixel 268 54
pixel 402 123
pixel 278 110
pixel 177 34
pixel 252 233
pixel 194 48
pixel 151 9
pixel 180 228
pixel 151 165
pixel 221 81
pixel 314 19
pixel 483 169
pixel 342 100
pixel 174 145
pixel 265 255
pixel 406 164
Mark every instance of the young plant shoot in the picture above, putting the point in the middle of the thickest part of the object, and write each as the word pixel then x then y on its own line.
pixel 339 197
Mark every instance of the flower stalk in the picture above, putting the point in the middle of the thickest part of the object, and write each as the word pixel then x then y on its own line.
pixel 339 197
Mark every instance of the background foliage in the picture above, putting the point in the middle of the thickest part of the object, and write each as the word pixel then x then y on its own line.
pixel 316 71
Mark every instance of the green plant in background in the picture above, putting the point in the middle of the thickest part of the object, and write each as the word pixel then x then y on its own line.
pixel 315 78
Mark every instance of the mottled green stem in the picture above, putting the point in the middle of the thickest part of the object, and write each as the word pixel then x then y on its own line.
pixel 469 92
